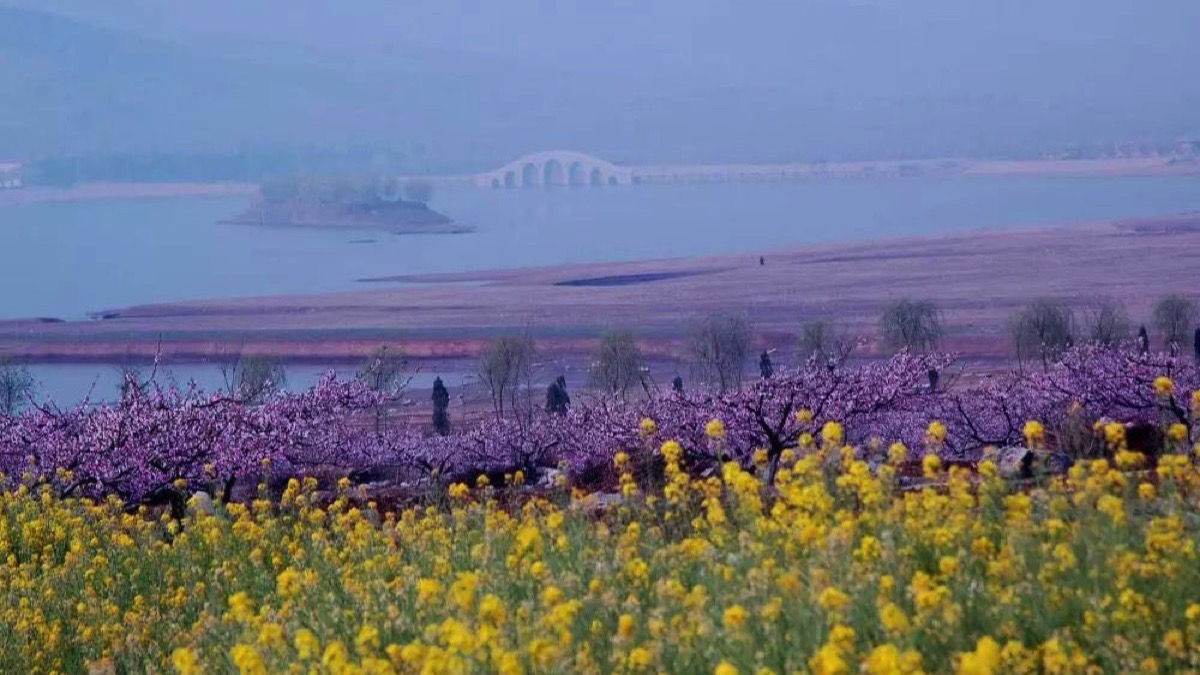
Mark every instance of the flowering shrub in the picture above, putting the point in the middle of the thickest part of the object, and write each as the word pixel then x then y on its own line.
pixel 833 569
pixel 153 439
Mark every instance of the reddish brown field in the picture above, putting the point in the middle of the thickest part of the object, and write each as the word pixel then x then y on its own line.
pixel 978 279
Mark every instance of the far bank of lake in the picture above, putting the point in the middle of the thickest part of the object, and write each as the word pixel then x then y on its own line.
pixel 69 259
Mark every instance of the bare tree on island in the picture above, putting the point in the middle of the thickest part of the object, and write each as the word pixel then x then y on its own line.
pixel 506 368
pixel 383 372
pixel 1108 323
pixel 1174 317
pixel 254 378
pixel 822 341
pixel 717 348
pixel 17 387
pixel 913 325
pixel 1044 329
pixel 617 364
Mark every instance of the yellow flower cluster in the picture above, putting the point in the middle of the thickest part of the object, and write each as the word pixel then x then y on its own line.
pixel 832 569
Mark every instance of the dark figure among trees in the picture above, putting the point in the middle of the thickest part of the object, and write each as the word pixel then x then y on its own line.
pixel 765 368
pixel 558 401
pixel 441 408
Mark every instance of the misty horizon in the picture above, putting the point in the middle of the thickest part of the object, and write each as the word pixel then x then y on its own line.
pixel 468 85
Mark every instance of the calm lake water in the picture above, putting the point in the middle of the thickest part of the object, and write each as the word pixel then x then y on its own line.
pixel 69 259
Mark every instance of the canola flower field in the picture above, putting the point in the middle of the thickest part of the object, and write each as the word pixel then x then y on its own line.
pixel 833 569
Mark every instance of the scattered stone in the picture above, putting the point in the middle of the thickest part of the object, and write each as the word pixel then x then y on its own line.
pixel 1056 463
pixel 201 503
pixel 600 502
pixel 550 478
pixel 1015 462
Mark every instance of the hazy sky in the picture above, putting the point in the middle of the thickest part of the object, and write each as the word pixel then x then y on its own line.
pixel 759 78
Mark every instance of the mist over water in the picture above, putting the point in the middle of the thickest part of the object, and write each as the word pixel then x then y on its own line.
pixel 72 259
pixel 665 81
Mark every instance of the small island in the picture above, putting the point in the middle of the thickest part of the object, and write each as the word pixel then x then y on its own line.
pixel 350 204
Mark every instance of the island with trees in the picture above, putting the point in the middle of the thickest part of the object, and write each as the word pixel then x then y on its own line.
pixel 401 207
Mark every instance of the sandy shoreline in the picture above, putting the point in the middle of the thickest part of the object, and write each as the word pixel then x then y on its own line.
pixel 978 279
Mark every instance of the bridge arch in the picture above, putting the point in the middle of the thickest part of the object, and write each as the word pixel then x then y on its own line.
pixel 530 175
pixel 554 168
pixel 552 173
pixel 575 175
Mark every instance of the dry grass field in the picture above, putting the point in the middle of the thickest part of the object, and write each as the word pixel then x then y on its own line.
pixel 977 279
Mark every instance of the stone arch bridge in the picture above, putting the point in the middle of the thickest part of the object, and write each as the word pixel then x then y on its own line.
pixel 556 168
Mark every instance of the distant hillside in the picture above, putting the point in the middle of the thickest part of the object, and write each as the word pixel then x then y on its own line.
pixel 455 91
pixel 73 89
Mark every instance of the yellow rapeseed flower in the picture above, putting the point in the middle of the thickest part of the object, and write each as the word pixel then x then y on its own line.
pixel 288 583
pixel 492 610
pixel 647 427
pixel 985 660
pixel 247 660
pixel 1163 386
pixel 725 668
pixel 1177 432
pixel 367 641
pixel 833 600
pixel 715 429
pixel 185 662
pixel 832 434
pixel 640 658
pixel 241 607
pixel 1035 433
pixel 931 466
pixel 625 624
pixel 307 645
pixel 936 433
pixel 735 617
pixel 1175 644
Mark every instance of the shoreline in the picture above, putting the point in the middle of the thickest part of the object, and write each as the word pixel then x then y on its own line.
pixel 350 226
pixel 119 191
pixel 1104 167
pixel 978 279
